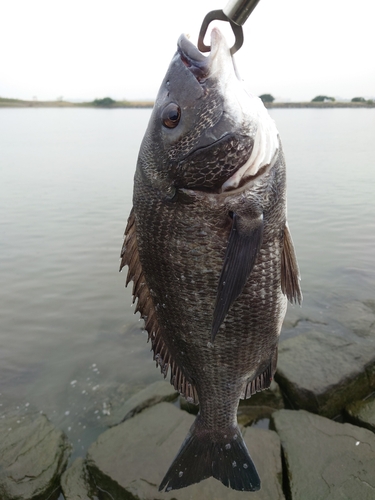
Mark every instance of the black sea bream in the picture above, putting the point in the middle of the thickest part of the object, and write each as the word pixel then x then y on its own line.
pixel 210 254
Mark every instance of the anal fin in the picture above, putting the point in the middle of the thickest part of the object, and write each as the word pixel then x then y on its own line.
pixel 262 381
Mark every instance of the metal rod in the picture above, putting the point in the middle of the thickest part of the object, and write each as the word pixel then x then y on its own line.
pixel 239 10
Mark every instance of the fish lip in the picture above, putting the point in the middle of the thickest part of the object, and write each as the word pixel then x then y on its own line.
pixel 204 67
pixel 194 60
pixel 190 51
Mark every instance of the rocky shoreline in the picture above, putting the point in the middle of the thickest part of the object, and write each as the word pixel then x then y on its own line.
pixel 311 435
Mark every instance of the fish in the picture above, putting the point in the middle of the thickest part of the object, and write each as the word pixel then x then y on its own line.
pixel 210 254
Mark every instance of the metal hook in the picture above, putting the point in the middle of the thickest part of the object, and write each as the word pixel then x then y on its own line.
pixel 236 13
pixel 219 16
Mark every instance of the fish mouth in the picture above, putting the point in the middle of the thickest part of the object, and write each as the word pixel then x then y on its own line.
pixel 194 60
pixel 203 66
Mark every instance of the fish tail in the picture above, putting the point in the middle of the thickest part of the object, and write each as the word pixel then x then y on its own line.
pixel 204 453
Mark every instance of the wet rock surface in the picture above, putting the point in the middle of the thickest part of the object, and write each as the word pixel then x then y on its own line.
pixel 357 316
pixel 353 319
pixel 260 406
pixel 326 460
pixel 323 373
pixel 75 482
pixel 362 413
pixel 151 395
pixel 132 458
pixel 33 455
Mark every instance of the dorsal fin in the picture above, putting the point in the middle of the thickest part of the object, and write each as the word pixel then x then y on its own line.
pixel 145 305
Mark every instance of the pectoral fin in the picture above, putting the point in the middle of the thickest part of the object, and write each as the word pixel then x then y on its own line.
pixel 290 276
pixel 244 243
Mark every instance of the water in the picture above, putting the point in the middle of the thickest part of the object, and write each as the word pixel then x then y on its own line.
pixel 70 345
pixel 331 205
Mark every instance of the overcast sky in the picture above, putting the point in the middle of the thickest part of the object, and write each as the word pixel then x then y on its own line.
pixel 87 49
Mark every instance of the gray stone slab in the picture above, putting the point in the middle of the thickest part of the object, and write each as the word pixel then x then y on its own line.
pixel 358 316
pixel 326 460
pixel 260 406
pixel 271 397
pixel 33 454
pixel 340 315
pixel 362 413
pixel 130 460
pixel 74 482
pixel 153 394
pixel 323 373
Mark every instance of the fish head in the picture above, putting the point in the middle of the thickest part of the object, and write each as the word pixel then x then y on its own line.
pixel 204 127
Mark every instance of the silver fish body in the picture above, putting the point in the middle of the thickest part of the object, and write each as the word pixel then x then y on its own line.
pixel 210 254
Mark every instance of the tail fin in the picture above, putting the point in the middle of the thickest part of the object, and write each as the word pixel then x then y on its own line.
pixel 205 453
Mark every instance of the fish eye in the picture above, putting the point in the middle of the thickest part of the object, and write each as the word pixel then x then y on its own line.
pixel 171 115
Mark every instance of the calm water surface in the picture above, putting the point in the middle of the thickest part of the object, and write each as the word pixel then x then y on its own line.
pixel 70 345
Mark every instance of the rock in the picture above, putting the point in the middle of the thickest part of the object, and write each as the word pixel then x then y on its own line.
pixel 358 316
pixel 75 484
pixel 33 454
pixel 151 395
pixel 260 406
pixel 326 460
pixel 264 446
pixel 323 373
pixel 362 413
pixel 271 397
pixel 189 407
pixel 130 460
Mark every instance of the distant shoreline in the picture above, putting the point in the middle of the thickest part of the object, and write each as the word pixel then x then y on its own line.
pixel 18 103
pixel 330 104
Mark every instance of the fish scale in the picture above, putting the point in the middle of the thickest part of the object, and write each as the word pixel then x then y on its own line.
pixel 212 258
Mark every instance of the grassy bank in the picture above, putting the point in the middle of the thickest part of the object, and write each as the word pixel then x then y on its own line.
pixel 17 103
pixel 329 104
